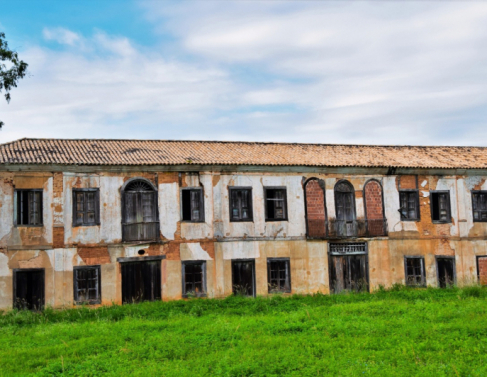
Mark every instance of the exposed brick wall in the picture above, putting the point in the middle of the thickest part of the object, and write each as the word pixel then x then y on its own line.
pixel 483 270
pixel 374 207
pixel 407 182
pixel 58 237
pixel 94 255
pixel 58 211
pixel 315 207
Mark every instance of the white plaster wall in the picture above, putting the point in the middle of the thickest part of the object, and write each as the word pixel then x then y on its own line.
pixel 169 210
pixel 47 217
pixel 62 259
pixel 193 251
pixel 6 211
pixel 191 231
pixel 110 209
pixel 4 270
pixel 240 250
pixel 330 197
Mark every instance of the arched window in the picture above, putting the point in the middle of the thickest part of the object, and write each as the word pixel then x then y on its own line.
pixel 315 208
pixel 345 201
pixel 140 220
pixel 374 208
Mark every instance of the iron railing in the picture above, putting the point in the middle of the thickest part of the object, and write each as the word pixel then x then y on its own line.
pixel 148 231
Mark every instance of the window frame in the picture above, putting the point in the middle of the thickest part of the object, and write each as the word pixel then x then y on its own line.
pixel 288 276
pixel 266 188
pixel 250 203
pixel 434 192
pixel 96 205
pixel 203 277
pixel 418 211
pixel 202 205
pixel 41 209
pixel 423 271
pixel 477 192
pixel 75 285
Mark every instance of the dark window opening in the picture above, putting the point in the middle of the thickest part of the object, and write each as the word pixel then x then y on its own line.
pixel 276 204
pixel 445 267
pixel 440 206
pixel 243 277
pixel 28 207
pixel 415 274
pixel 86 207
pixel 479 206
pixel 409 201
pixel 87 284
pixel 29 289
pixel 194 278
pixel 192 203
pixel 240 204
pixel 345 201
pixel 278 275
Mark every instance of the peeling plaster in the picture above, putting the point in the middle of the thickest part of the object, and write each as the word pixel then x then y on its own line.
pixel 169 213
pixel 424 183
pixel 193 251
pixel 240 250
pixel 4 270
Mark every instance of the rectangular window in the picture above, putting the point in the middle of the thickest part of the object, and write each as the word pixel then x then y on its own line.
pixel 440 206
pixel 479 206
pixel 28 207
pixel 192 203
pixel 87 284
pixel 415 274
pixel 276 203
pixel 409 201
pixel 86 207
pixel 240 204
pixel 194 278
pixel 278 275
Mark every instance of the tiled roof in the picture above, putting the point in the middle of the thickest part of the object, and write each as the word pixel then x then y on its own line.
pixel 172 152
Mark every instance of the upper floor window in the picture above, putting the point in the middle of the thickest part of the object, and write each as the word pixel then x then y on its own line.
pixel 345 201
pixel 275 203
pixel 440 206
pixel 28 207
pixel 479 205
pixel 139 211
pixel 193 205
pixel 409 201
pixel 240 203
pixel 86 207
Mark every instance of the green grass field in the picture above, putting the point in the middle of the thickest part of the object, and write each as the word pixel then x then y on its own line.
pixel 401 332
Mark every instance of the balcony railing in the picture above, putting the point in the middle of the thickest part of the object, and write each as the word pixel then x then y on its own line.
pixel 137 232
pixel 357 228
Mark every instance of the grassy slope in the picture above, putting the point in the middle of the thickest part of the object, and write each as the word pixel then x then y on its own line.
pixel 401 332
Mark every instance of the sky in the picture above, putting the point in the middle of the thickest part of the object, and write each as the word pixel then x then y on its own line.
pixel 352 72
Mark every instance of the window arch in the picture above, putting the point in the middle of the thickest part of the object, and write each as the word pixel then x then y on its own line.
pixel 374 208
pixel 345 201
pixel 314 193
pixel 140 220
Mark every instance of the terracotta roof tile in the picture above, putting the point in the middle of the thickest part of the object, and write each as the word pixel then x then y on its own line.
pixel 171 152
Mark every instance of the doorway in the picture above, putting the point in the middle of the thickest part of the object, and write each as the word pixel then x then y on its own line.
pixel 141 281
pixel 348 267
pixel 445 268
pixel 243 277
pixel 29 289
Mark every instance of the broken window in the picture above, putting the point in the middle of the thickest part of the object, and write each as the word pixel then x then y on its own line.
pixel 440 206
pixel 192 203
pixel 86 207
pixel 415 274
pixel 87 284
pixel 479 206
pixel 276 203
pixel 278 275
pixel 409 200
pixel 445 267
pixel 194 279
pixel 28 207
pixel 240 204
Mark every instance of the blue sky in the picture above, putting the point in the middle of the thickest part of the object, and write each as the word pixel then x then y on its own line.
pixel 297 71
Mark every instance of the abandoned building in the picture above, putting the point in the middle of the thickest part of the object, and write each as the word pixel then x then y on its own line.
pixel 119 221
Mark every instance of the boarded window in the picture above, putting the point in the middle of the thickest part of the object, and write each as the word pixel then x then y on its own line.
pixel 440 206
pixel 278 275
pixel 86 207
pixel 315 209
pixel 87 284
pixel 482 269
pixel 276 203
pixel 479 206
pixel 409 201
pixel 240 204
pixel 194 278
pixel 140 216
pixel 193 205
pixel 376 223
pixel 414 270
pixel 28 207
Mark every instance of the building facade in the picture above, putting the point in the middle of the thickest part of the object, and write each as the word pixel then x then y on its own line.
pixel 119 221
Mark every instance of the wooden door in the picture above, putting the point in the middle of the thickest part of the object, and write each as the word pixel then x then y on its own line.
pixel 348 273
pixel 141 281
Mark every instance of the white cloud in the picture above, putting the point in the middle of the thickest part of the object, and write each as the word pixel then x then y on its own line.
pixel 61 35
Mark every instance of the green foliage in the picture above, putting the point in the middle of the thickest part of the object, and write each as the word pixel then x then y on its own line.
pixel 396 332
pixel 9 74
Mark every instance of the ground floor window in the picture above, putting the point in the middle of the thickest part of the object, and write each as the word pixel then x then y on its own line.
pixel 414 270
pixel 243 277
pixel 278 275
pixel 194 278
pixel 29 288
pixel 87 284
pixel 445 268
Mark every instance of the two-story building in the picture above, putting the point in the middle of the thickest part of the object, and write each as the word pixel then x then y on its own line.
pixel 118 221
